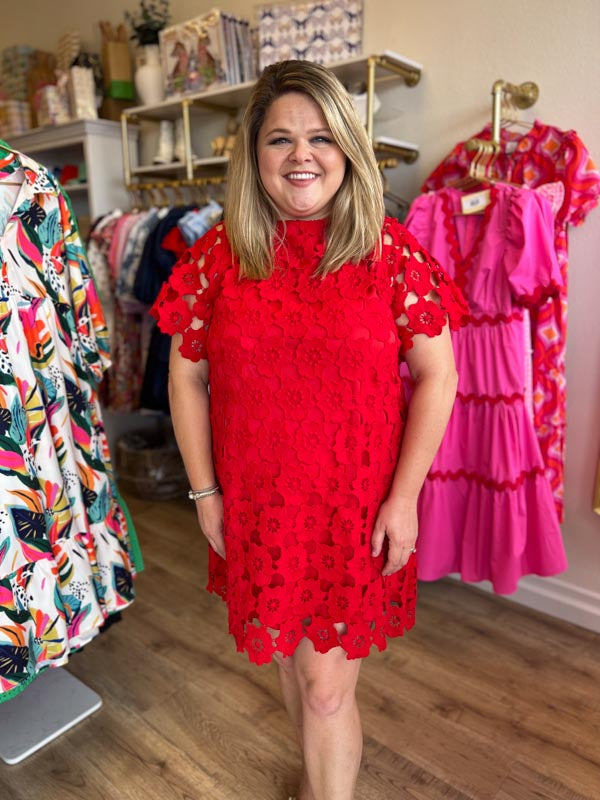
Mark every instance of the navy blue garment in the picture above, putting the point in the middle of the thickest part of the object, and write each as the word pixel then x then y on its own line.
pixel 155 267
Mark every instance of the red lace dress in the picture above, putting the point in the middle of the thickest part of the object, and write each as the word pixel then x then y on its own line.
pixel 307 410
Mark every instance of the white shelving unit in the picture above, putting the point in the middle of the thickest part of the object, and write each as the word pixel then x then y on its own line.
pixel 96 143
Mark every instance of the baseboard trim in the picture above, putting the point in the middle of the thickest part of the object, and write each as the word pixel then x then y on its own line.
pixel 555 597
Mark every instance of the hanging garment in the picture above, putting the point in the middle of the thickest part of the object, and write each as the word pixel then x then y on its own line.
pixel 98 246
pixel 486 510
pixel 126 373
pixel 307 411
pixel 199 221
pixel 67 546
pixel 155 267
pixel 544 154
pixel 133 251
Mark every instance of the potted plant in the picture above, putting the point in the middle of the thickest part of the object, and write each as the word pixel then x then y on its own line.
pixel 146 23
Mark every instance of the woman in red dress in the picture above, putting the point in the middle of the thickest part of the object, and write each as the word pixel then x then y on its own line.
pixel 305 461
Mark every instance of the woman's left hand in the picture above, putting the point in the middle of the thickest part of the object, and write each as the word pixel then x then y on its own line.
pixel 396 519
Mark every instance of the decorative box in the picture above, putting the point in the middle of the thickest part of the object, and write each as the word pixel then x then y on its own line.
pixel 212 49
pixel 193 54
pixel 321 32
pixel 15 118
pixel 15 67
pixel 51 106
pixel 82 92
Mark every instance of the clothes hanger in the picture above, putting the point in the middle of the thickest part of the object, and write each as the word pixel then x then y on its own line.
pixel 163 198
pixel 178 197
pixel 510 116
pixel 479 174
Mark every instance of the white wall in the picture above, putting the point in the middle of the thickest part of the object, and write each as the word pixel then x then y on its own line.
pixel 465 45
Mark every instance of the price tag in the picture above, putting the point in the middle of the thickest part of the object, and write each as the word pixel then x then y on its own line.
pixel 475 203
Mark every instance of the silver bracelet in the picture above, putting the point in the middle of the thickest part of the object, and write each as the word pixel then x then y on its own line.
pixel 198 494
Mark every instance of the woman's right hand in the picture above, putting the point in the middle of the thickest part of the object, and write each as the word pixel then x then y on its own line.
pixel 210 517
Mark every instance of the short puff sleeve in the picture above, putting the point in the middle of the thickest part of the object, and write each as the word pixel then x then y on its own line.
pixel 185 301
pixel 581 177
pixel 530 261
pixel 423 295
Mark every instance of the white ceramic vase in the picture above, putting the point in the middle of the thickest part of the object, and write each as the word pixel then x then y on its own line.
pixel 148 77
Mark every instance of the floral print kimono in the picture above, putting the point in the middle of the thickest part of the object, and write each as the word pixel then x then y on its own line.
pixel 68 551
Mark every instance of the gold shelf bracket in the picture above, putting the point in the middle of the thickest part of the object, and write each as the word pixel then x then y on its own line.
pixel 522 95
pixel 411 75
pixel 387 152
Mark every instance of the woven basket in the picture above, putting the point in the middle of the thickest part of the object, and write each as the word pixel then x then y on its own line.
pixel 149 466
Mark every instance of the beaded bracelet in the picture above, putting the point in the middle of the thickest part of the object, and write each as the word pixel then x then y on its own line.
pixel 198 494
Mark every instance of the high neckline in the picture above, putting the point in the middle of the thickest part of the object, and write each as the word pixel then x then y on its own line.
pixel 300 242
pixel 302 225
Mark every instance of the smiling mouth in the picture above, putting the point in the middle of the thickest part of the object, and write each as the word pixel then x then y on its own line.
pixel 301 176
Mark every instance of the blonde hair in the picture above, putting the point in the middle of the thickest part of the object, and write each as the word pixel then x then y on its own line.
pixel 356 218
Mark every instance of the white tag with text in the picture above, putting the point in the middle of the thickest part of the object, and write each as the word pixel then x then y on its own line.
pixel 475 203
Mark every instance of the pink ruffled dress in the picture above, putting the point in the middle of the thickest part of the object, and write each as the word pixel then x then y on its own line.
pixel 486 509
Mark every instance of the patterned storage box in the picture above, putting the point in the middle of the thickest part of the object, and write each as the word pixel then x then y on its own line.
pixel 15 67
pixel 15 118
pixel 321 32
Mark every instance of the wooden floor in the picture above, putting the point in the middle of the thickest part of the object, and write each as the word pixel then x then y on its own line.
pixel 481 700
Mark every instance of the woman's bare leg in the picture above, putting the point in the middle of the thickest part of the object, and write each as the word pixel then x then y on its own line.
pixel 293 703
pixel 330 722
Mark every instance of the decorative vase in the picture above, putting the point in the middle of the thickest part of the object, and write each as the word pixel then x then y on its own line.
pixel 148 77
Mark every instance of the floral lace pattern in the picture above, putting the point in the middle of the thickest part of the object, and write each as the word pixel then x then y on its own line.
pixel 307 411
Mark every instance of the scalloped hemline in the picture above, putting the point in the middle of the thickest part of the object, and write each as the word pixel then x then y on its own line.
pixel 267 658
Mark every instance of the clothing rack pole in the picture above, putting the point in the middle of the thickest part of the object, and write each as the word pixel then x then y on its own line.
pixel 523 95
pixel 175 184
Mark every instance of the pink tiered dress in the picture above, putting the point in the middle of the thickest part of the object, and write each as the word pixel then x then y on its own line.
pixel 486 510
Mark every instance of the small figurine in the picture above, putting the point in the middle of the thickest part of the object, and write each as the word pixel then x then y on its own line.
pixel 218 145
pixel 232 129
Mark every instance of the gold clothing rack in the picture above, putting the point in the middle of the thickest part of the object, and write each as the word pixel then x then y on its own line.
pixel 175 185
pixel 522 95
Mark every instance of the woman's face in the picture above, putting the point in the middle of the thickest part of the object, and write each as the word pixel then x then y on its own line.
pixel 300 165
